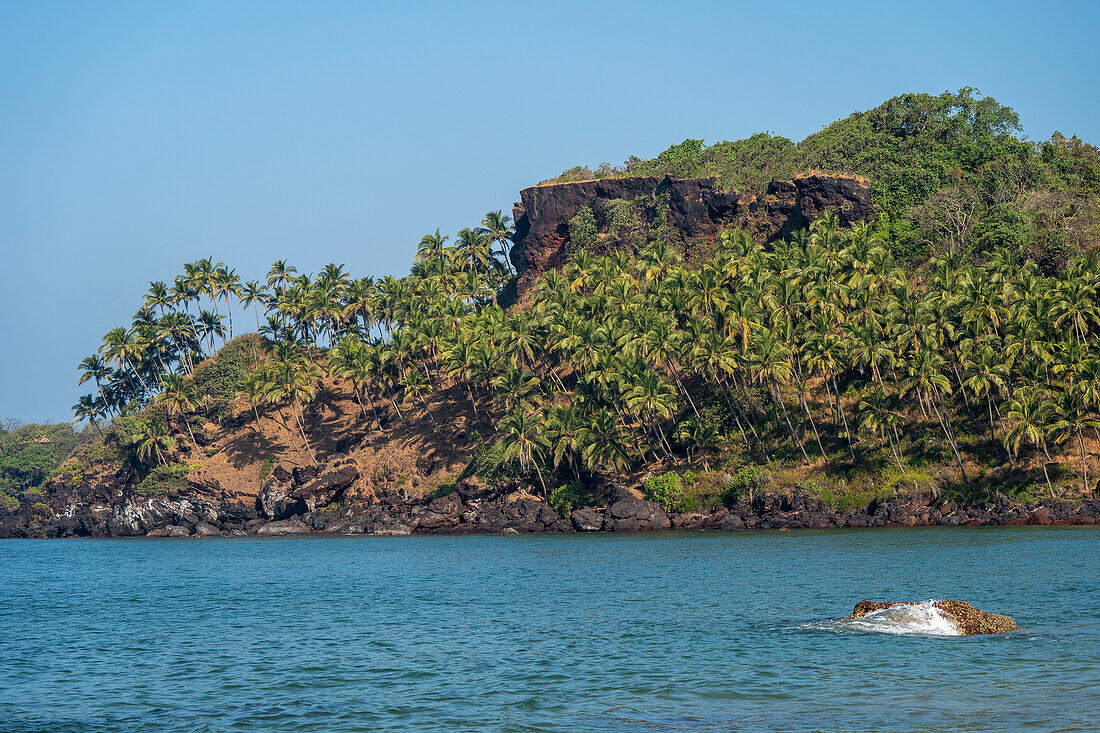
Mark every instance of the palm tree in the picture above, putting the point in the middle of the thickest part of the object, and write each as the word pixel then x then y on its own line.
pixel 120 345
pixel 176 396
pixel 431 249
pixel 1071 417
pixel 89 408
pixel 696 435
pixel 1032 415
pixel 280 274
pixel 253 294
pixel 293 380
pixel 152 439
pixel 653 398
pixel 93 367
pixel 417 385
pixel 498 227
pixel 524 439
pixel 603 442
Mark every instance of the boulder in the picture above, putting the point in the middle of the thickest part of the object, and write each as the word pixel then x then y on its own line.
pixel 282 527
pixel 444 512
pixel 343 526
pixel 1040 516
pixel 967 619
pixel 172 530
pixel 586 519
pixel 205 529
pixel 393 530
pixel 635 515
pixel 327 487
pixel 273 493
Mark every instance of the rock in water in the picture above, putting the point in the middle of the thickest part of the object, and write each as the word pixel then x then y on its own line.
pixel 967 619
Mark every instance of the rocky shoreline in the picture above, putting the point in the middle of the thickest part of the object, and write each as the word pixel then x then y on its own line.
pixel 310 500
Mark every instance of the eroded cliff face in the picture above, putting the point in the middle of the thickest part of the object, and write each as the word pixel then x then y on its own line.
pixel 697 207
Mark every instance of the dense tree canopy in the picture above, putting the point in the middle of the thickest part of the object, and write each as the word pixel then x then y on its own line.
pixel 820 349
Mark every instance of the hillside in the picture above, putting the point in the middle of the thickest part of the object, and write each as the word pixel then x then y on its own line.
pixel 634 352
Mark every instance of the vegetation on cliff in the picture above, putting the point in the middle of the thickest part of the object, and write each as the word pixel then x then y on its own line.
pixel 946 170
pixel 29 454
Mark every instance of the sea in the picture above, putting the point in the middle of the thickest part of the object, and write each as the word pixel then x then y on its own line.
pixel 673 631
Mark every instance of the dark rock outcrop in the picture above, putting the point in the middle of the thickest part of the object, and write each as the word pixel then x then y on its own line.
pixel 635 515
pixel 967 619
pixel 284 527
pixel 285 494
pixel 586 519
pixel 697 207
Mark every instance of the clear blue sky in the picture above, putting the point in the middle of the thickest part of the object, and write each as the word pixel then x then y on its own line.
pixel 135 137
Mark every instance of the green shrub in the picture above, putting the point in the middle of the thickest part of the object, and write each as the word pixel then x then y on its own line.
pixel 218 381
pixel 443 489
pixel 565 499
pixel 488 464
pixel 666 489
pixel 583 229
pixel 266 466
pixel 71 473
pixel 164 479
pixel 704 492
pixel 30 453
pixel 747 483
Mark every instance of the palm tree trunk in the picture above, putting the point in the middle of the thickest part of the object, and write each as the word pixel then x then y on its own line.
pixel 813 425
pixel 424 402
pixel 302 427
pixel 843 417
pixel 950 435
pixel 1043 463
pixel 541 481
pixel 1084 456
pixel 794 436
pixel 138 375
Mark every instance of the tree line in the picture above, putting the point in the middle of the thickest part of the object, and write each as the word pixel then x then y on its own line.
pixel 817 348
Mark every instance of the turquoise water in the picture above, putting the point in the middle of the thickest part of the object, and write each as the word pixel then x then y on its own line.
pixel 651 632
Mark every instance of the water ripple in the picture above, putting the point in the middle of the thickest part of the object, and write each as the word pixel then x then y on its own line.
pixel 681 631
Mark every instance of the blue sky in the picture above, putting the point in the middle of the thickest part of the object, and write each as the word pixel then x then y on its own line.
pixel 135 137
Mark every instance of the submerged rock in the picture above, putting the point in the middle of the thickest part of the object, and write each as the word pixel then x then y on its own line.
pixel 967 619
pixel 285 526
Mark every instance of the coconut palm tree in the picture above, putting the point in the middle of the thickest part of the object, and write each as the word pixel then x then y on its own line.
pixel 253 294
pixel 121 346
pixel 93 367
pixel 498 228
pixel 90 408
pixel 603 443
pixel 152 440
pixel 697 436
pixel 177 398
pixel 1031 413
pixel 1071 418
pixel 523 438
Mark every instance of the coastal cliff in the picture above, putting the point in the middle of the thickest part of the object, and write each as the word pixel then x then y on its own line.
pixel 697 208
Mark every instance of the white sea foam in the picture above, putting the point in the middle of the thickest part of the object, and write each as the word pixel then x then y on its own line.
pixel 921 619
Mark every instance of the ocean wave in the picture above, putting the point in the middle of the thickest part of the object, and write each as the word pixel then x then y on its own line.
pixel 919 619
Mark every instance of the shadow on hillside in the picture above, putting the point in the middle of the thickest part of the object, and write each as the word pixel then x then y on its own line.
pixel 250 448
